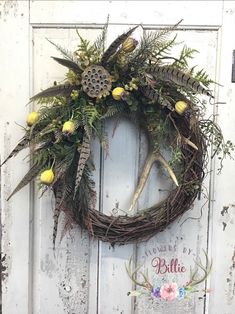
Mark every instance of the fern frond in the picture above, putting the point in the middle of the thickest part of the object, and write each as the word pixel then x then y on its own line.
pixel 153 43
pixel 66 53
pixel 186 53
pixel 99 43
pixel 202 77
pixel 113 109
pixel 90 115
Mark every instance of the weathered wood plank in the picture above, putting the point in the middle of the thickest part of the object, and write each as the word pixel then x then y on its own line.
pixel 119 171
pixel 222 231
pixel 14 92
pixel 128 12
pixel 184 240
pixel 62 279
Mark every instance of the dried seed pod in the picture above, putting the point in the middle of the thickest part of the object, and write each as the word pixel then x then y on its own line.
pixel 47 176
pixel 180 107
pixel 129 45
pixel 32 118
pixel 96 81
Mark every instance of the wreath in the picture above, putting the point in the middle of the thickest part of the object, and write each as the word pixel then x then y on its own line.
pixel 142 82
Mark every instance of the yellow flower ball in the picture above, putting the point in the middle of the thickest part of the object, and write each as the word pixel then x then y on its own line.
pixel 32 118
pixel 118 93
pixel 129 45
pixel 47 177
pixel 68 127
pixel 180 107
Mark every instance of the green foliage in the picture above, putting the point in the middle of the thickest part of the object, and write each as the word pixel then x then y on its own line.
pixel 215 139
pixel 99 43
pixel 203 77
pixel 182 62
pixel 86 52
pixel 65 52
pixel 152 81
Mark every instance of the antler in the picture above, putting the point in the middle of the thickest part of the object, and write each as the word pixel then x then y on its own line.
pixel 150 160
pixel 194 280
pixel 132 275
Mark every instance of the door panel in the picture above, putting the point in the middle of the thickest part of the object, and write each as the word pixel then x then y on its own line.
pixel 84 275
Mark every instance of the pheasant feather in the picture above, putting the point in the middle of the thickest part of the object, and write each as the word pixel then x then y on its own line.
pixel 21 145
pixel 57 90
pixel 69 64
pixel 84 155
pixel 115 44
pixel 178 77
pixel 153 95
pixel 30 175
pixel 58 191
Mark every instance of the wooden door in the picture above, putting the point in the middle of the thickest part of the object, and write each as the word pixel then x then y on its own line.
pixel 84 275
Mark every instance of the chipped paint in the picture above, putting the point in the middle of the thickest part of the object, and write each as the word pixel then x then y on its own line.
pixel 73 277
pixel 231 280
pixel 9 7
pixel 227 216
pixel 3 267
pixel 6 215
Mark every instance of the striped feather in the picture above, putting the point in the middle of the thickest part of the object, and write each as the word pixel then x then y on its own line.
pixel 178 77
pixel 69 64
pixel 57 90
pixel 21 145
pixel 84 155
pixel 115 44
pixel 58 192
pixel 30 175
pixel 153 95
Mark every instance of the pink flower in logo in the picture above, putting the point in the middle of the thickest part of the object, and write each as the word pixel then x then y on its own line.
pixel 169 291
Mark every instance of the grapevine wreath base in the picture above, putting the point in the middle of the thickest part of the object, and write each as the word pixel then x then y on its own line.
pixel 145 84
pixel 149 221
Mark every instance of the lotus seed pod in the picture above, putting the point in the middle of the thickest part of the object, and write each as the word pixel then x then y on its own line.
pixel 96 81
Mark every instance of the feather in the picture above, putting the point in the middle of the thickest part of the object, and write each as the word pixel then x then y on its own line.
pixel 57 90
pixel 66 223
pixel 69 64
pixel 21 145
pixel 115 44
pixel 58 192
pixel 178 77
pixel 153 95
pixel 84 155
pixel 30 175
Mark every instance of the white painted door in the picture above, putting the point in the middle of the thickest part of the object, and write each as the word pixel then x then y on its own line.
pixel 84 275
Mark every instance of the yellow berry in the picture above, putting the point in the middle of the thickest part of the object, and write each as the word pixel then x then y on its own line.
pixel 118 93
pixel 32 118
pixel 180 107
pixel 47 177
pixel 68 127
pixel 129 44
pixel 74 94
